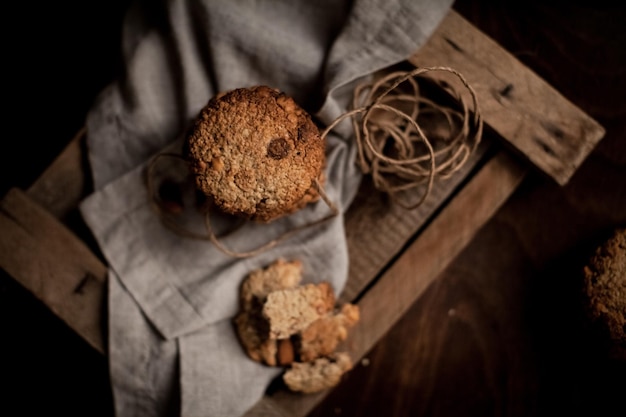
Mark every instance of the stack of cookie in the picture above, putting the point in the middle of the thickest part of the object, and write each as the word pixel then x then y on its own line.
pixel 297 326
pixel 255 153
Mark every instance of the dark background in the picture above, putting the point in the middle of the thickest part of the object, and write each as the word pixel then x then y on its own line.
pixel 56 57
pixel 521 348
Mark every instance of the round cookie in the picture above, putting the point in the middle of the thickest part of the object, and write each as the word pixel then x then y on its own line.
pixel 605 292
pixel 255 153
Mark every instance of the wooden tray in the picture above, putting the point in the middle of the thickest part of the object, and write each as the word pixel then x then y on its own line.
pixel 394 254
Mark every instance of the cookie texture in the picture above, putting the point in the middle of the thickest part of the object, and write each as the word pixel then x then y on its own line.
pixel 283 322
pixel 320 374
pixel 251 326
pixel 280 275
pixel 605 292
pixel 323 335
pixel 292 310
pixel 256 153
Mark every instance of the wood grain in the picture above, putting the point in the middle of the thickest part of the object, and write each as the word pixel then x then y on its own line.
pixel 54 264
pixel 459 350
pixel 528 113
pixel 377 230
pixel 443 239
pixel 61 187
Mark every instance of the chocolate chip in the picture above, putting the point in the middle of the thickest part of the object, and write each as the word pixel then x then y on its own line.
pixel 278 148
pixel 285 352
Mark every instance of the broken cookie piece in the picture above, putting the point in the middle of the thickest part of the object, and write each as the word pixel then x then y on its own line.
pixel 285 323
pixel 323 335
pixel 278 276
pixel 292 310
pixel 251 326
pixel 317 375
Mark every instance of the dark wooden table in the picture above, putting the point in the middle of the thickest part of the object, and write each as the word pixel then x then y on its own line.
pixel 499 335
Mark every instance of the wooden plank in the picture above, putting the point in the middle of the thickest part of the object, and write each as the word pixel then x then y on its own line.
pixel 63 184
pixel 434 249
pixel 377 230
pixel 527 112
pixel 55 265
pixel 407 278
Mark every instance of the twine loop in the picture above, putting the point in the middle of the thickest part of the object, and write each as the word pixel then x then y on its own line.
pixel 391 143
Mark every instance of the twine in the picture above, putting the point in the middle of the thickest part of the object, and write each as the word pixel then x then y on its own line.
pixel 391 146
pixel 213 238
pixel 387 146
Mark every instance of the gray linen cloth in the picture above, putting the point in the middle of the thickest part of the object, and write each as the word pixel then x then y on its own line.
pixel 172 347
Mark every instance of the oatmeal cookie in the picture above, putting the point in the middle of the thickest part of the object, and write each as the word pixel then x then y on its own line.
pixel 254 152
pixel 605 292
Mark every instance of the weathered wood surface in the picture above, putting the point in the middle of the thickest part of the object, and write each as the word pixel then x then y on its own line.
pixel 528 113
pixel 54 264
pixel 436 246
pixel 64 183
pixel 377 230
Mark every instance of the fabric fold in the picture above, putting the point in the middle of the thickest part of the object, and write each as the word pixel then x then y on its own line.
pixel 182 284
